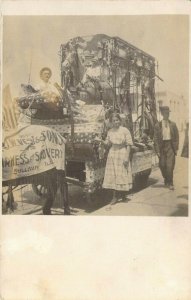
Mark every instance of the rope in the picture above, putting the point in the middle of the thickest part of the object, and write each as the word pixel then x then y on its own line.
pixel 15 188
pixel 20 188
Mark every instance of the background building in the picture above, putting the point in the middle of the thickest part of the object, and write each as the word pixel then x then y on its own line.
pixel 177 105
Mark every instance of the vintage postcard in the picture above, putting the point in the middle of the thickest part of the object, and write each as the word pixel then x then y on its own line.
pixel 95 125
pixel 90 104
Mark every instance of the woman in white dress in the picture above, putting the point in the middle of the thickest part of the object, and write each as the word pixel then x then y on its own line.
pixel 118 176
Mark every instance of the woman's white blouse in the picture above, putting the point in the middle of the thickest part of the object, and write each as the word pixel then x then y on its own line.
pixel 120 136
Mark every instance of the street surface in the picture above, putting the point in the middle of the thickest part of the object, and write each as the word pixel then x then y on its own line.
pixel 154 200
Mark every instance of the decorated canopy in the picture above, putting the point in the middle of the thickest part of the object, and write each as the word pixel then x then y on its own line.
pixel 102 69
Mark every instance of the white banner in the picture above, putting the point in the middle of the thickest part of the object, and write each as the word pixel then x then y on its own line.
pixel 32 150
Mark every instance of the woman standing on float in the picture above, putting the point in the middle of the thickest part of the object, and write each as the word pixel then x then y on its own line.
pixel 118 176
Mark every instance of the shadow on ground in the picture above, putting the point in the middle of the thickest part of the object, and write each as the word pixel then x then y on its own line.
pixel 78 200
pixel 184 196
pixel 159 185
pixel 182 211
pixel 81 201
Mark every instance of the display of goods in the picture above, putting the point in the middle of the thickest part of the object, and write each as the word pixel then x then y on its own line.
pixel 102 67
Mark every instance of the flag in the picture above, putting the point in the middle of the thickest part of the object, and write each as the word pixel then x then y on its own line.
pixel 10 113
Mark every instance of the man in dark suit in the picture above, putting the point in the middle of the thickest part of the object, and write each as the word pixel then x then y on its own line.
pixel 166 141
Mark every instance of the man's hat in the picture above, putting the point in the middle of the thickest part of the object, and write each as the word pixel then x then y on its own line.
pixel 45 69
pixel 164 108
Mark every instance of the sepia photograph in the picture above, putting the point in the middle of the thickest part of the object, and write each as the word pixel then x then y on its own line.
pixel 95 150
pixel 95 115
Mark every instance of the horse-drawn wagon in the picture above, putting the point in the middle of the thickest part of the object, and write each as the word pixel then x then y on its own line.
pixel 99 75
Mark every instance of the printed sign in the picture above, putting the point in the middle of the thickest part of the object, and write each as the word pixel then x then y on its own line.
pixel 32 150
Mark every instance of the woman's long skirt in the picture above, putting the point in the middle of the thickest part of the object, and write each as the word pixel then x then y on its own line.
pixel 117 176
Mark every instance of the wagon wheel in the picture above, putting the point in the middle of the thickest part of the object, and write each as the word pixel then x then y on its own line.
pixel 40 190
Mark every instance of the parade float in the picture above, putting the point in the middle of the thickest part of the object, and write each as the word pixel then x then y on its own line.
pixel 99 75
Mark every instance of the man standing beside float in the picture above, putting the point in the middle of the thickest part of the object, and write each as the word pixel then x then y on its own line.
pixel 166 140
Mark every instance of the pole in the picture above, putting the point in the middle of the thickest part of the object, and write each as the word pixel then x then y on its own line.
pixel 30 68
pixel 115 95
pixel 143 107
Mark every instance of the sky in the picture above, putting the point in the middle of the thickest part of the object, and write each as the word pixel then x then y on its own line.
pixel 32 42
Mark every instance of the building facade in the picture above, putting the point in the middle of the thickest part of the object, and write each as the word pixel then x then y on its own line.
pixel 178 107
